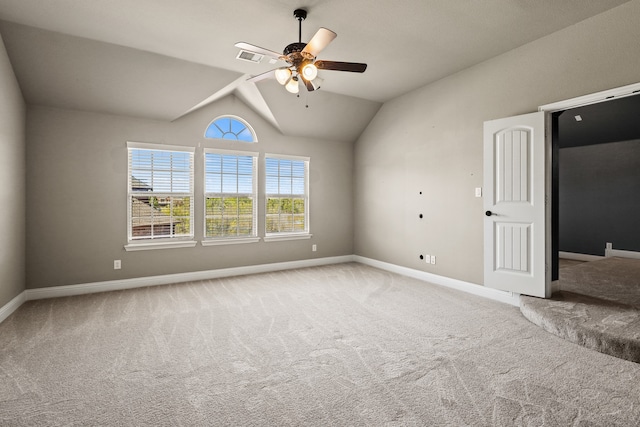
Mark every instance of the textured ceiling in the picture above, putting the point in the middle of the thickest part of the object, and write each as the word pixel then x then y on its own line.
pixel 167 56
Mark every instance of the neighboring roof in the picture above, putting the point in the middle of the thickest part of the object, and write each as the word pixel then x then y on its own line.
pixel 145 212
pixel 138 185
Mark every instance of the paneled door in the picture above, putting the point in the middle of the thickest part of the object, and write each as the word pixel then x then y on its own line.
pixel 515 211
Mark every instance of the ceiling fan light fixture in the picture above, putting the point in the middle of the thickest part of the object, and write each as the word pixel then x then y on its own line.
pixel 301 59
pixel 309 71
pixel 283 75
pixel 292 85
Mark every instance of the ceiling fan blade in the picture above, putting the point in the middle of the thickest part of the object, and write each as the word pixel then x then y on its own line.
pixel 262 76
pixel 258 49
pixel 354 67
pixel 319 41
pixel 309 85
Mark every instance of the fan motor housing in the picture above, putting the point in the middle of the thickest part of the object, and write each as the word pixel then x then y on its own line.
pixel 294 47
pixel 294 54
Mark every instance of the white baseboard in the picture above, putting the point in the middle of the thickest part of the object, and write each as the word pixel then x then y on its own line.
pixel 116 285
pixel 140 282
pixel 578 257
pixel 471 288
pixel 624 254
pixel 7 309
pixel 610 252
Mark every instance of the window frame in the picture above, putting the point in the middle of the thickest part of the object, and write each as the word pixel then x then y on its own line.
pixel 228 240
pixel 160 242
pixel 232 118
pixel 288 235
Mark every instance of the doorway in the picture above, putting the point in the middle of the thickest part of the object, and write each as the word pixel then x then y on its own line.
pixel 595 162
pixel 521 252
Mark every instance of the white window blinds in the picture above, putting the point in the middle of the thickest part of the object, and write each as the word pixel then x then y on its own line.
pixel 160 192
pixel 287 194
pixel 230 194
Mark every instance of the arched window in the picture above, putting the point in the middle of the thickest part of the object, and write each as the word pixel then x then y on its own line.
pixel 230 127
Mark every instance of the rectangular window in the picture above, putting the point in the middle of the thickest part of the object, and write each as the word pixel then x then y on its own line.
pixel 230 196
pixel 287 195
pixel 160 192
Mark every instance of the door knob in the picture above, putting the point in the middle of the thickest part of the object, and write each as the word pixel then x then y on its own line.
pixel 489 213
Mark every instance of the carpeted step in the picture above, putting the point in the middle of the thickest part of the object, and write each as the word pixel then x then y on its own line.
pixel 597 305
pixel 605 326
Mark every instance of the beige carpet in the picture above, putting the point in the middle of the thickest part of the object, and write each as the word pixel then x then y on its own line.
pixel 596 304
pixel 343 345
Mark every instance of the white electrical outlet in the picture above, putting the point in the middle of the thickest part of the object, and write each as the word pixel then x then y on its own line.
pixel 478 191
pixel 117 264
pixel 427 259
pixel 314 248
pixel 433 259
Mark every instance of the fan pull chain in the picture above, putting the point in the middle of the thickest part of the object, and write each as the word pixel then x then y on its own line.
pixel 306 100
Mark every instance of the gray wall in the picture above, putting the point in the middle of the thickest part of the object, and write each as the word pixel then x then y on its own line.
pixel 12 183
pixel 599 203
pixel 77 196
pixel 430 140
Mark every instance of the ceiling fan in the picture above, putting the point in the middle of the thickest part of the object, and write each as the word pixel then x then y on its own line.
pixel 301 57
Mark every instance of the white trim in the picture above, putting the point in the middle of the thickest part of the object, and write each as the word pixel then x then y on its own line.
pixel 282 237
pixel 578 257
pixel 606 95
pixel 610 252
pixel 287 157
pixel 232 152
pixel 229 241
pixel 511 298
pixel 8 309
pixel 156 146
pixel 159 245
pixel 141 282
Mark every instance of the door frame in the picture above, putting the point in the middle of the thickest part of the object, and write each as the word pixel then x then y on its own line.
pixel 552 153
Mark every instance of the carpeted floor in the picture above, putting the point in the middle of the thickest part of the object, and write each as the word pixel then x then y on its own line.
pixel 596 304
pixel 328 346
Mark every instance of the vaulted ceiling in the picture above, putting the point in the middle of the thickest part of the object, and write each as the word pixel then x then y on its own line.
pixel 147 58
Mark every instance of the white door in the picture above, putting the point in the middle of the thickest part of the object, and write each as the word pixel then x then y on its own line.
pixel 515 221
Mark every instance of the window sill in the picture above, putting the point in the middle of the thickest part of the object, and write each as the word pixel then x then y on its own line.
pixel 230 241
pixel 279 238
pixel 159 245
